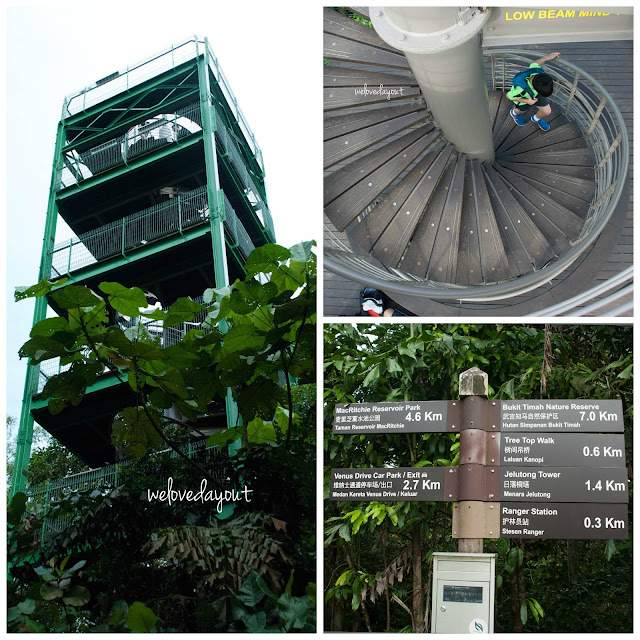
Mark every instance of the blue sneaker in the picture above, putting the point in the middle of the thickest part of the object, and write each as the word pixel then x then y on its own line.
pixel 543 124
pixel 517 118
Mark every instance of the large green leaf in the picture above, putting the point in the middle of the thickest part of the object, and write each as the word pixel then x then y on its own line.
pixel 75 296
pixel 77 596
pixel 266 259
pixel 260 399
pixel 133 430
pixel 183 310
pixel 128 301
pixel 140 618
pixel 50 592
pixel 253 590
pixel 261 432
pixel 35 291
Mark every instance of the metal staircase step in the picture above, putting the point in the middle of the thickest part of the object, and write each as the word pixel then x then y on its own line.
pixel 556 135
pixel 517 258
pixel 469 270
pixel 575 157
pixel 517 223
pixel 340 125
pixel 394 240
pixel 444 257
pixel 338 149
pixel 346 178
pixel 567 222
pixel 571 202
pixel 495 98
pixel 366 232
pixel 335 76
pixel 416 258
pixel 577 187
pixel 583 173
pixel 344 210
pixel 518 134
pixel 495 266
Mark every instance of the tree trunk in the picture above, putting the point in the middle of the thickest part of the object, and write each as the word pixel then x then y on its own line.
pixel 386 578
pixel 417 605
pixel 572 564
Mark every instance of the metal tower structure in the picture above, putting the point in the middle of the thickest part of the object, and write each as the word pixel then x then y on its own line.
pixel 161 180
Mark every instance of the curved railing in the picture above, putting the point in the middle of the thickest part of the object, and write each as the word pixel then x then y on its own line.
pixel 585 102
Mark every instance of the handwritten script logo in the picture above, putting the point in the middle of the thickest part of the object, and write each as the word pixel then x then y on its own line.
pixel 380 91
pixel 172 495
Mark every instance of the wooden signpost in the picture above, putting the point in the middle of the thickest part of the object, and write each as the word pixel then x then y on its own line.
pixel 528 468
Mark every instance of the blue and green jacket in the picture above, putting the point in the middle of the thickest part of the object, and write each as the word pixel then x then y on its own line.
pixel 522 86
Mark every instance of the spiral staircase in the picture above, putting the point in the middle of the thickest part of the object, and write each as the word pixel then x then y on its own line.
pixel 425 221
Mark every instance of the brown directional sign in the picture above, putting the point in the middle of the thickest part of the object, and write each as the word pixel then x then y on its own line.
pixel 392 417
pixel 562 449
pixel 561 484
pixel 564 521
pixel 429 484
pixel 562 416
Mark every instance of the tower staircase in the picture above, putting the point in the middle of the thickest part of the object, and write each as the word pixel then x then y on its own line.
pixel 424 220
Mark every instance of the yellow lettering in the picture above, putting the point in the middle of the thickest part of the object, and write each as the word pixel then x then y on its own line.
pixel 517 15
pixel 585 14
pixel 569 14
pixel 507 18
pixel 542 15
pixel 551 13
pixel 529 15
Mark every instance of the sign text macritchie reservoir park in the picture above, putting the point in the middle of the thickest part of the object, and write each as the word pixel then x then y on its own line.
pixel 549 454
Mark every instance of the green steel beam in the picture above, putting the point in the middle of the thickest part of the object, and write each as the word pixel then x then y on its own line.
pixel 117 99
pixel 25 430
pixel 135 164
pixel 216 203
pixel 117 123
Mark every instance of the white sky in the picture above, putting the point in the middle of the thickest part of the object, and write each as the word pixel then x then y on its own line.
pixel 269 53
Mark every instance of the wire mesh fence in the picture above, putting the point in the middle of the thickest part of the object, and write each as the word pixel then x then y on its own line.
pixel 140 229
pixel 167 60
pixel 105 479
pixel 162 129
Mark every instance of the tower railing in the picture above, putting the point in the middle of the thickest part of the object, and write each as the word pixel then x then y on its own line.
pixel 102 479
pixel 133 232
pixel 166 60
pixel 77 166
pixel 584 101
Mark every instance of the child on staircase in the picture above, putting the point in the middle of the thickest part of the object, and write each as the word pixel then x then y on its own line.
pixel 532 87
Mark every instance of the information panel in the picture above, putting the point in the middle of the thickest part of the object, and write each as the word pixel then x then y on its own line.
pixel 391 417
pixel 562 416
pixel 564 521
pixel 563 484
pixel 562 449
pixel 402 483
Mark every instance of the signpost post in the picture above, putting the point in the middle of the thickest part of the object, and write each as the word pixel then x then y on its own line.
pixel 540 469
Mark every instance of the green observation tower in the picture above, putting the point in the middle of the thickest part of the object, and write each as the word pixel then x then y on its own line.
pixel 161 181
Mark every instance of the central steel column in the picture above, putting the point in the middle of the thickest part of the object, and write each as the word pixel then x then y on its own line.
pixel 443 48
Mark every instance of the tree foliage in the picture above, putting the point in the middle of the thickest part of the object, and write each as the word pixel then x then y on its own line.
pixel 146 565
pixel 371 548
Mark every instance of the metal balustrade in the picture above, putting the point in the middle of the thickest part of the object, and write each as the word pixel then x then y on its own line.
pixel 163 129
pixel 585 102
pixel 166 60
pixel 103 479
pixel 141 228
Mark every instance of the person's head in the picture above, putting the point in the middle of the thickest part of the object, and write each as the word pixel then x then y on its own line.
pixel 543 84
